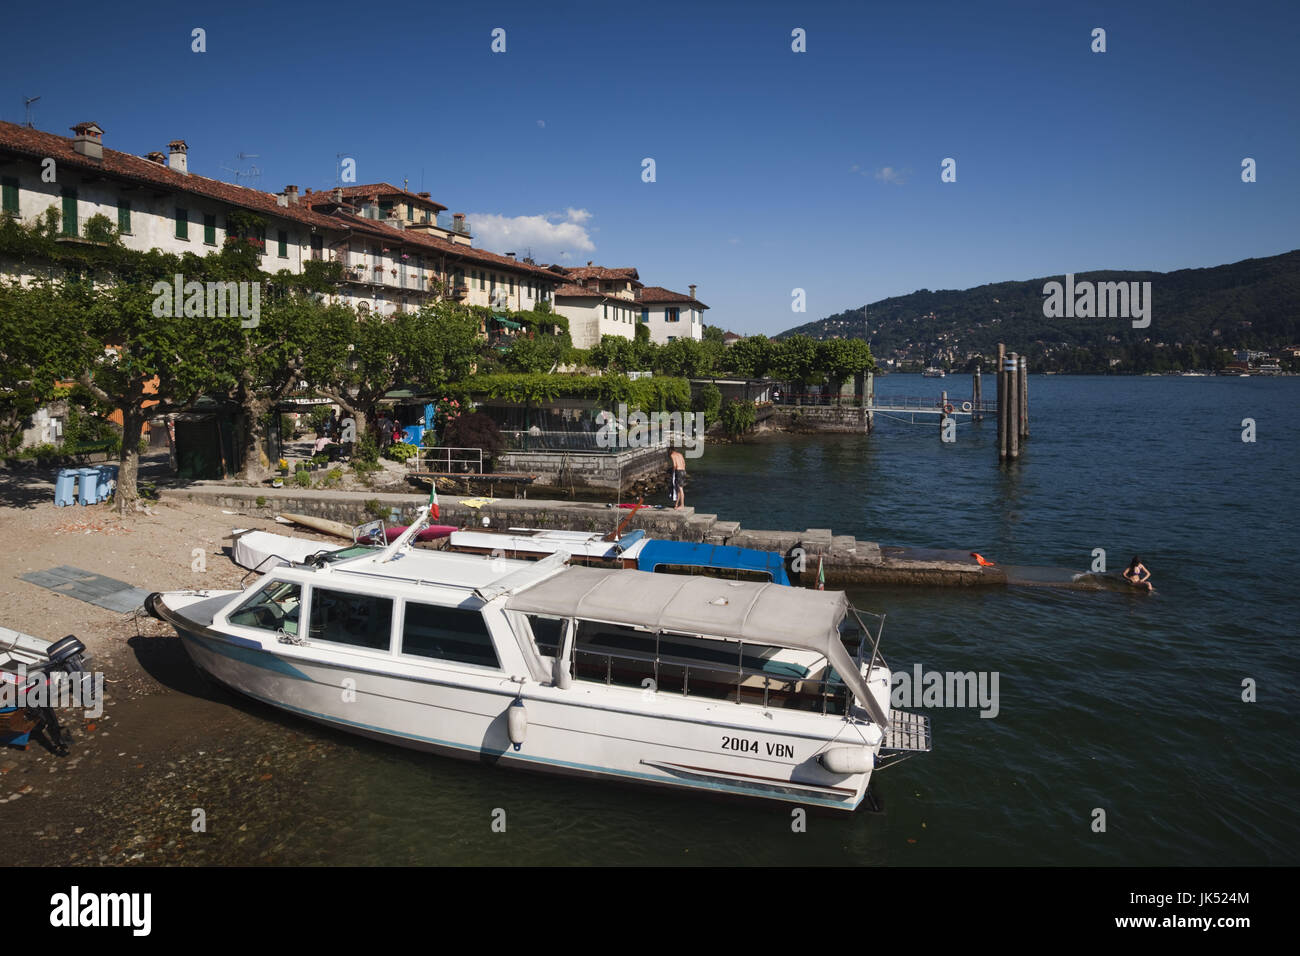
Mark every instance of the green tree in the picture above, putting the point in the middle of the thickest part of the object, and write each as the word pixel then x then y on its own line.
pixel 750 357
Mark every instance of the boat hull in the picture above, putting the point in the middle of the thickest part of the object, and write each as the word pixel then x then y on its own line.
pixel 573 732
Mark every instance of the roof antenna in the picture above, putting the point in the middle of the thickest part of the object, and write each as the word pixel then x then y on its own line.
pixel 27 105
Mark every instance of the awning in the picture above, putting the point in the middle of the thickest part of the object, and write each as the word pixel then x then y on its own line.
pixel 507 323
pixel 741 610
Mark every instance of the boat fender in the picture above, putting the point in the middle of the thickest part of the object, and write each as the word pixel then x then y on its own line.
pixel 517 722
pixel 150 605
pixel 846 760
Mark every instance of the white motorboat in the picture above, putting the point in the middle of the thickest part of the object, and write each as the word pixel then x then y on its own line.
pixel 689 682
pixel 933 372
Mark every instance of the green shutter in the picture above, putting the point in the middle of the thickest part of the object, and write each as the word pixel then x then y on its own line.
pixel 124 216
pixel 9 195
pixel 210 230
pixel 284 244
pixel 70 223
pixel 182 223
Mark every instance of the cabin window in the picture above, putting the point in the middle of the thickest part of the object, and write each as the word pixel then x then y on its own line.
pixel 448 634
pixel 706 667
pixel 360 620
pixel 548 633
pixel 274 608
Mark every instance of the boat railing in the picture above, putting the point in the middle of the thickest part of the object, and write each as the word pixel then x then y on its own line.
pixel 738 683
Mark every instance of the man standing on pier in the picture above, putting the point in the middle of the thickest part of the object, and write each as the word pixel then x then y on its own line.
pixel 677 477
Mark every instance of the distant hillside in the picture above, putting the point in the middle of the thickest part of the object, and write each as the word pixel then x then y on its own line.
pixel 1254 303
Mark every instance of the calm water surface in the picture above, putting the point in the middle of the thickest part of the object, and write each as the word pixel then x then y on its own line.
pixel 1124 702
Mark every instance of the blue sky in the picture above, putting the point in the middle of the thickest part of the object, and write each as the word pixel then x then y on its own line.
pixel 774 169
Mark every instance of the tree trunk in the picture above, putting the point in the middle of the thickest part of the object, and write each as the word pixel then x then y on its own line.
pixel 128 489
pixel 254 470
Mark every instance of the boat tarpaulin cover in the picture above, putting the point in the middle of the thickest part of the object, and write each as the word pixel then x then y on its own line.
pixel 721 556
pixel 262 551
pixel 762 613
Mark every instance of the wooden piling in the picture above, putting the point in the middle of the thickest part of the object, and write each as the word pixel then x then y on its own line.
pixel 976 395
pixel 1000 372
pixel 1013 407
pixel 943 413
pixel 1023 392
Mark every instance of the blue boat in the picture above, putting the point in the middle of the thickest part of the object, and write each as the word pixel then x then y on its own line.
pixel 715 560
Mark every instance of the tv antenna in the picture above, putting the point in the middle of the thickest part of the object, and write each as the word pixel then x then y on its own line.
pixel 27 106
pixel 250 175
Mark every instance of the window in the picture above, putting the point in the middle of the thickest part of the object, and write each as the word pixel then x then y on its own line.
pixel 606 306
pixel 284 244
pixel 317 247
pixel 274 608
pixel 448 634
pixel 359 620
pixel 124 216
pixel 182 223
pixel 210 230
pixel 645 315
pixel 9 195
pixel 673 315
pixel 548 632
pixel 70 212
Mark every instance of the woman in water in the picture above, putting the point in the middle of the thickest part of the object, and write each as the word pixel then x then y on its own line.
pixel 1137 574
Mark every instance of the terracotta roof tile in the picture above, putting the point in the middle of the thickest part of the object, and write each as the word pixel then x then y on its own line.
pixel 655 294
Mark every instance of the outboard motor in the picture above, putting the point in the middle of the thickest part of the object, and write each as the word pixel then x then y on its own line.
pixel 66 656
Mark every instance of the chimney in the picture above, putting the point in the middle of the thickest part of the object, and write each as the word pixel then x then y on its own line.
pixel 88 141
pixel 176 156
pixel 692 292
pixel 423 195
pixel 588 262
pixel 291 194
pixel 338 195
pixel 510 254
pixel 156 157
pixel 458 223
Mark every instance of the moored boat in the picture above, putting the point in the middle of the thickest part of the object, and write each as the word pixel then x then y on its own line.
pixel 686 682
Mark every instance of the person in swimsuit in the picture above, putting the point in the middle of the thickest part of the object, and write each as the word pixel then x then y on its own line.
pixel 677 477
pixel 1137 574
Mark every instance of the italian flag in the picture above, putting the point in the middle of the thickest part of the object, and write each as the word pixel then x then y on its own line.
pixel 433 498
pixel 821 576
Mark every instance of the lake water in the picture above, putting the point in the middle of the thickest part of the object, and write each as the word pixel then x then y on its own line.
pixel 1127 703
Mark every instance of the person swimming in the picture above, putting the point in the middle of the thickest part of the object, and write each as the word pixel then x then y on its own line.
pixel 1137 574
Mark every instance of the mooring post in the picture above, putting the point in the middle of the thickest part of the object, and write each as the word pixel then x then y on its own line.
pixel 1024 398
pixel 943 412
pixel 1013 407
pixel 976 395
pixel 1001 374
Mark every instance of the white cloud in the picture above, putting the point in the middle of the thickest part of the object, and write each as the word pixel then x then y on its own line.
pixel 888 174
pixel 551 237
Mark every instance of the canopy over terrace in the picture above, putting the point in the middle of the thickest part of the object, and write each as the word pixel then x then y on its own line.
pixel 740 610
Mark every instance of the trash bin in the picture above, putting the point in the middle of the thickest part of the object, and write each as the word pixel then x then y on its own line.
pixel 107 481
pixel 65 487
pixel 89 481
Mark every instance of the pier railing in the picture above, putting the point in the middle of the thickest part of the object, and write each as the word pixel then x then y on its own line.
pixel 447 460
pixel 590 442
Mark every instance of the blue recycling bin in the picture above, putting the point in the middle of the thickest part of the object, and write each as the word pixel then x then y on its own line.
pixel 89 481
pixel 107 482
pixel 65 487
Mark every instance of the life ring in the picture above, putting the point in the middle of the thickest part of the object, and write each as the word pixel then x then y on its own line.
pixel 947 409
pixel 966 406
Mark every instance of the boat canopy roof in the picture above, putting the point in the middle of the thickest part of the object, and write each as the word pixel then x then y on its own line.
pixel 727 557
pixel 758 612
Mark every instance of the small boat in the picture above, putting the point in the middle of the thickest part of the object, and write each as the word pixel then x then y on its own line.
pixel 933 372
pixel 631 550
pixel 689 683
pixel 32 670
